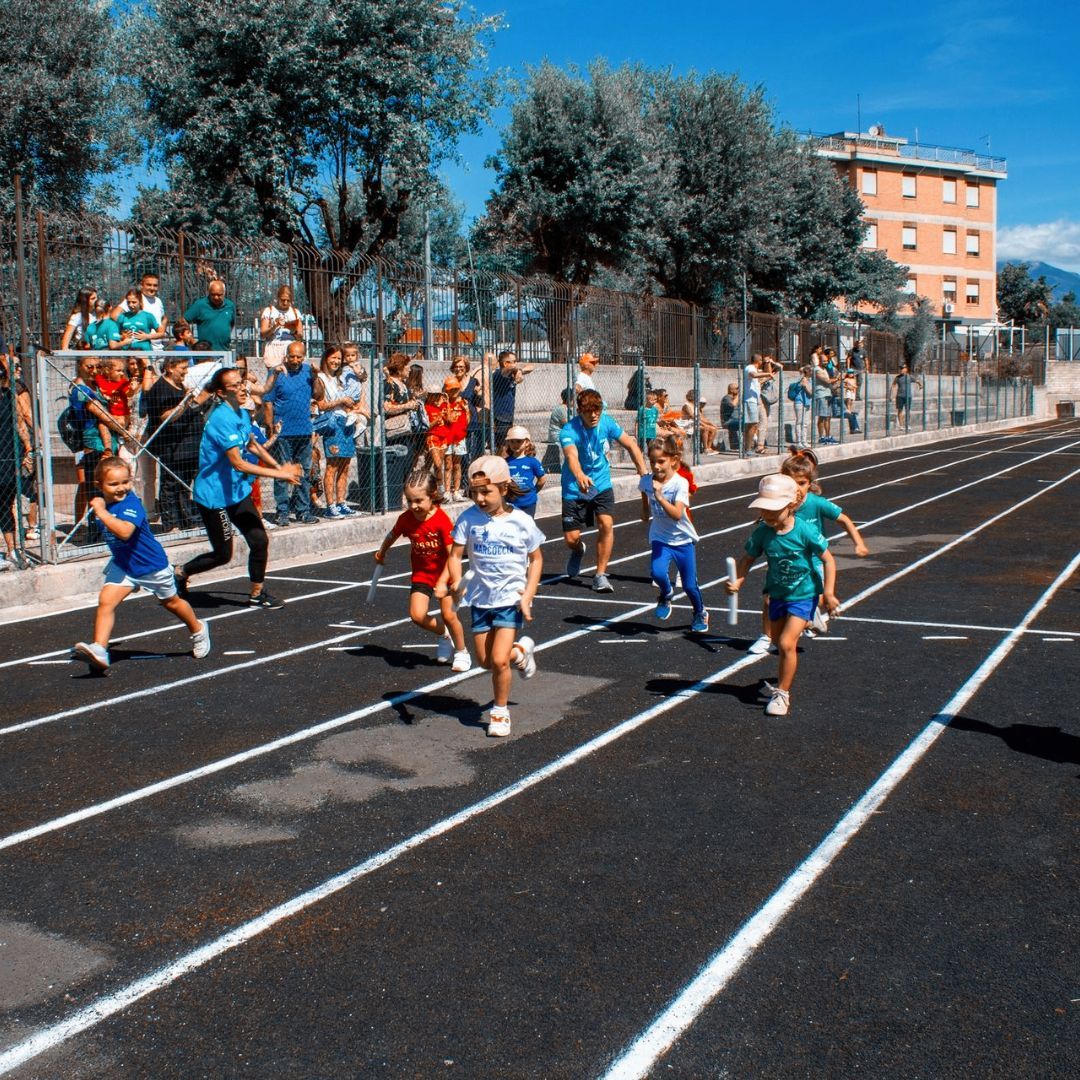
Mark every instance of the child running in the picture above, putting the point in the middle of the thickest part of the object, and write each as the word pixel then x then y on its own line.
pixel 665 498
pixel 525 468
pixel 428 528
pixel 791 545
pixel 138 562
pixel 505 563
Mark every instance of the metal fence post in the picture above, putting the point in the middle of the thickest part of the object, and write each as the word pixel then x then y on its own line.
pixel 20 266
pixel 695 430
pixel 43 280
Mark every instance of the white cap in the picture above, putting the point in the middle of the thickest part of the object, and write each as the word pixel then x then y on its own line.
pixel 494 468
pixel 517 432
pixel 775 492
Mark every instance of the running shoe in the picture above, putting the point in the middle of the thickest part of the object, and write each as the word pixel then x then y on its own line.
pixel 462 661
pixel 265 600
pixel 200 641
pixel 761 646
pixel 778 703
pixel 93 654
pixel 444 651
pixel 499 723
pixel 700 625
pixel 345 510
pixel 333 512
pixel 663 608
pixel 601 583
pixel 573 564
pixel 308 519
pixel 526 662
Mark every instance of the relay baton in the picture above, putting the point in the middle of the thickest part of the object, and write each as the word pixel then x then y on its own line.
pixel 375 575
pixel 733 599
pixel 463 584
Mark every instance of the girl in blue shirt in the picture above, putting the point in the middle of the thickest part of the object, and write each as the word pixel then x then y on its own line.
pixel 222 490
pixel 525 469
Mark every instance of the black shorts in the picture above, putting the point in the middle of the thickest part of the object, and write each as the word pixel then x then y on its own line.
pixel 581 513
pixel 420 587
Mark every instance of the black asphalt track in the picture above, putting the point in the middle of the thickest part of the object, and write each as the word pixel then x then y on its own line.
pixel 540 937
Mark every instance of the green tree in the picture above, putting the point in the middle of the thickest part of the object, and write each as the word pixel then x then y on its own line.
pixel 66 120
pixel 1065 313
pixel 311 121
pixel 1020 299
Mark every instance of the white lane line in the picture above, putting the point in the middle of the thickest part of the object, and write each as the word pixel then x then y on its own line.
pixel 944 637
pixel 425 646
pixel 346 648
pixel 149 691
pixel 239 652
pixel 105 1007
pixel 1057 640
pixel 309 580
pixel 622 641
pixel 955 626
pixel 827 637
pixel 348 624
pixel 640 1058
pixel 39 663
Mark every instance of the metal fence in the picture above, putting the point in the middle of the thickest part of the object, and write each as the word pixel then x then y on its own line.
pixel 434 315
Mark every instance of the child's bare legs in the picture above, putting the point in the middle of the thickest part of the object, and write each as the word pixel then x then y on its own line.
pixel 452 623
pixel 109 599
pixel 418 612
pixel 785 634
pixel 493 650
pixel 437 458
pixel 336 483
pixel 455 474
pixel 179 607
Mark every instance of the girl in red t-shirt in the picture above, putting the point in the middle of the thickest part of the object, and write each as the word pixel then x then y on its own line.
pixel 429 529
pixel 449 419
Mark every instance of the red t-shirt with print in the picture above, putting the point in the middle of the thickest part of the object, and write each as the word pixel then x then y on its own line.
pixel 430 541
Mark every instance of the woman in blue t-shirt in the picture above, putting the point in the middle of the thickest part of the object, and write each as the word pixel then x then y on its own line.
pixel 222 490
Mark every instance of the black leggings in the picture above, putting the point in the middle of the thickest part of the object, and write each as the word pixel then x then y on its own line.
pixel 219 532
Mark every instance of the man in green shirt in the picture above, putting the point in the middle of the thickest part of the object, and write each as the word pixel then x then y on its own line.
pixel 215 315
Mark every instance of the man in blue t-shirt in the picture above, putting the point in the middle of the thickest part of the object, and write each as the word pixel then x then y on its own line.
pixel 505 380
pixel 215 315
pixel 587 496
pixel 289 401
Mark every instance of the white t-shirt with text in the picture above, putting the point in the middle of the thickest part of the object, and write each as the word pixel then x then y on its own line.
pixel 498 549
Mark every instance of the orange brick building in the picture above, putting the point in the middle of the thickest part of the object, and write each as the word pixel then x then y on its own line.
pixel 931 208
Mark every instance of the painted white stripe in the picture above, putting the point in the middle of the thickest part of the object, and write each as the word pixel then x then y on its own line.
pixel 312 580
pixel 38 663
pixel 643 1054
pixel 622 641
pixel 433 645
pixel 117 1002
pixel 1057 640
pixel 944 637
pixel 345 648
pixel 239 652
pixel 956 626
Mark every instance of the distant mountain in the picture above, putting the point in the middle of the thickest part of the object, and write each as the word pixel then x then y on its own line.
pixel 1063 281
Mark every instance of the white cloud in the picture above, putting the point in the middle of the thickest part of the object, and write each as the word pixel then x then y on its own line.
pixel 1055 242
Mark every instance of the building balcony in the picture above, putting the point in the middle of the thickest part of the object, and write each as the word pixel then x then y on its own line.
pixel 849 144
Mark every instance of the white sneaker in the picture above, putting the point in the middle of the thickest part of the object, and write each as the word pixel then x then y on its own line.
pixel 778 703
pixel 200 641
pixel 761 646
pixel 462 661
pixel 499 724
pixel 526 663
pixel 93 654
pixel 445 651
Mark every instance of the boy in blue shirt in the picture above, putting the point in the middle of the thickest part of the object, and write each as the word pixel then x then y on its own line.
pixel 138 562
pixel 587 496
pixel 790 544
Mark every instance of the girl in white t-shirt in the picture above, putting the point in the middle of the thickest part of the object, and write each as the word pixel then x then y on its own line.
pixel 505 563
pixel 279 324
pixel 83 313
pixel 665 503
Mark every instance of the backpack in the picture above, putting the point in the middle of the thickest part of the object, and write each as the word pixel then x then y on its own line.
pixel 70 429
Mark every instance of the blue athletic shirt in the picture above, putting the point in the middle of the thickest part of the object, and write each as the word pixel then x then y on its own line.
pixel 525 471
pixel 218 484
pixel 591 446
pixel 141 555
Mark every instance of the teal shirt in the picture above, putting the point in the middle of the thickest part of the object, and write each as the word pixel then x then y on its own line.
pixel 136 321
pixel 647 417
pixel 791 574
pixel 816 510
pixel 215 324
pixel 102 332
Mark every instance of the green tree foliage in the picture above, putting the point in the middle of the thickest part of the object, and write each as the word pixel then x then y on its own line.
pixel 1022 300
pixel 313 121
pixel 572 175
pixel 1065 314
pixel 65 117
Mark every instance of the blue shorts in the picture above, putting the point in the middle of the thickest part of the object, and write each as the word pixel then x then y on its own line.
pixel 799 609
pixel 496 618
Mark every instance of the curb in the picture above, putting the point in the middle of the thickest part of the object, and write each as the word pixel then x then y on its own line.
pixel 33 592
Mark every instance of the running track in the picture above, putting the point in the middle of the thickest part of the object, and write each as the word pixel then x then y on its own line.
pixel 303 858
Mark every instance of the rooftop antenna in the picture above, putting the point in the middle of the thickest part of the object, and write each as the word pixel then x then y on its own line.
pixel 858 112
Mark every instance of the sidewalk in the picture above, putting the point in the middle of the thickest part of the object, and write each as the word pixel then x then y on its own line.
pixel 35 592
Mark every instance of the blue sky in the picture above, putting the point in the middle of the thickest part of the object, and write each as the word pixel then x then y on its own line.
pixel 960 73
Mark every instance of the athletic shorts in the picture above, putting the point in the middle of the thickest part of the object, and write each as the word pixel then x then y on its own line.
pixel 422 587
pixel 581 513
pixel 161 584
pixel 496 618
pixel 798 609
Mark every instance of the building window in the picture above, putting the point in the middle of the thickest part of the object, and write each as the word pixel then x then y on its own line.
pixel 908 185
pixel 948 288
pixel 870 239
pixel 948 241
pixel 911 286
pixel 972 243
pixel 869 182
pixel 910 238
pixel 948 191
pixel 972 194
pixel 971 292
